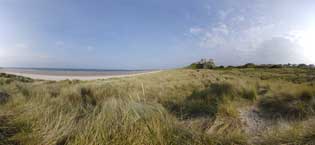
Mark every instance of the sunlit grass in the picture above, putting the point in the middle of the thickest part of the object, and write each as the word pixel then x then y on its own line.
pixel 171 107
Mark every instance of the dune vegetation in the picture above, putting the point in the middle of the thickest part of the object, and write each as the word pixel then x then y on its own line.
pixel 224 106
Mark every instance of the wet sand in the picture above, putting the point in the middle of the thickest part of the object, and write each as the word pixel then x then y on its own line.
pixel 58 75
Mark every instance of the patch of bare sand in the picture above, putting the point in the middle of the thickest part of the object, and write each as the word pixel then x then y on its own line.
pixel 76 77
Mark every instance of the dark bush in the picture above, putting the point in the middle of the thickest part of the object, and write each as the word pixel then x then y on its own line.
pixel 4 97
pixel 277 66
pixel 249 65
pixel 302 66
pixel 87 97
pixel 203 64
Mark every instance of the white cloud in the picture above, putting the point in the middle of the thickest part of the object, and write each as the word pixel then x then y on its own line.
pixel 223 14
pixel 221 28
pixel 195 30
pixel 278 50
pixel 210 40
pixel 236 38
pixel 213 37
pixel 238 19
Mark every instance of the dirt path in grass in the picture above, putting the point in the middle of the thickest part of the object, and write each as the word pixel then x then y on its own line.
pixel 254 123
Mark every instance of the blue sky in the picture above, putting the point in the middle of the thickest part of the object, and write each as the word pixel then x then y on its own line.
pixel 145 34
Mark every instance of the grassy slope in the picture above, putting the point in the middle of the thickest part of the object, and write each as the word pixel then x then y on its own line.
pixel 170 107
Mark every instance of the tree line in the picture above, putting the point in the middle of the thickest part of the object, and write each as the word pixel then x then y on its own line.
pixel 210 64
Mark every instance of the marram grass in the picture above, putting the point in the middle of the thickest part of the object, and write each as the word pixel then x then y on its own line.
pixel 175 107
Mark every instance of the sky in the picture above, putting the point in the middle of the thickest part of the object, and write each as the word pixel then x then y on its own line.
pixel 154 34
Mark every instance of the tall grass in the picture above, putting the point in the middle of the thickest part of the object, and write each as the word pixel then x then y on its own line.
pixel 208 101
pixel 298 104
pixel 115 121
pixel 295 134
pixel 193 107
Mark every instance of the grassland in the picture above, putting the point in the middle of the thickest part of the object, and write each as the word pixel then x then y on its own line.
pixel 229 106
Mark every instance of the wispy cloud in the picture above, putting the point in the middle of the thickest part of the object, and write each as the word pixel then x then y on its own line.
pixel 196 30
pixel 253 38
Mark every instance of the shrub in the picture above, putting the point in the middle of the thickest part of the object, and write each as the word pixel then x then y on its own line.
pixel 4 97
pixel 249 65
pixel 277 66
pixel 203 64
pixel 302 66
pixel 221 67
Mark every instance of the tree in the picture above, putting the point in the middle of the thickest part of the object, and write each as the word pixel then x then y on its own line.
pixel 249 65
pixel 203 64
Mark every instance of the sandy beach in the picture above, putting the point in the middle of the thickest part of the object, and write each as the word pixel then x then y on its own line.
pixel 73 75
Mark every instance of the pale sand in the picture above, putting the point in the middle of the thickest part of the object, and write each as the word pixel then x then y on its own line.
pixel 59 77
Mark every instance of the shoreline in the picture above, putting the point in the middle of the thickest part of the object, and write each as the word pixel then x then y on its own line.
pixel 84 76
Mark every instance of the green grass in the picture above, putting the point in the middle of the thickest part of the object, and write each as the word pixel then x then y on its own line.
pixel 193 107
